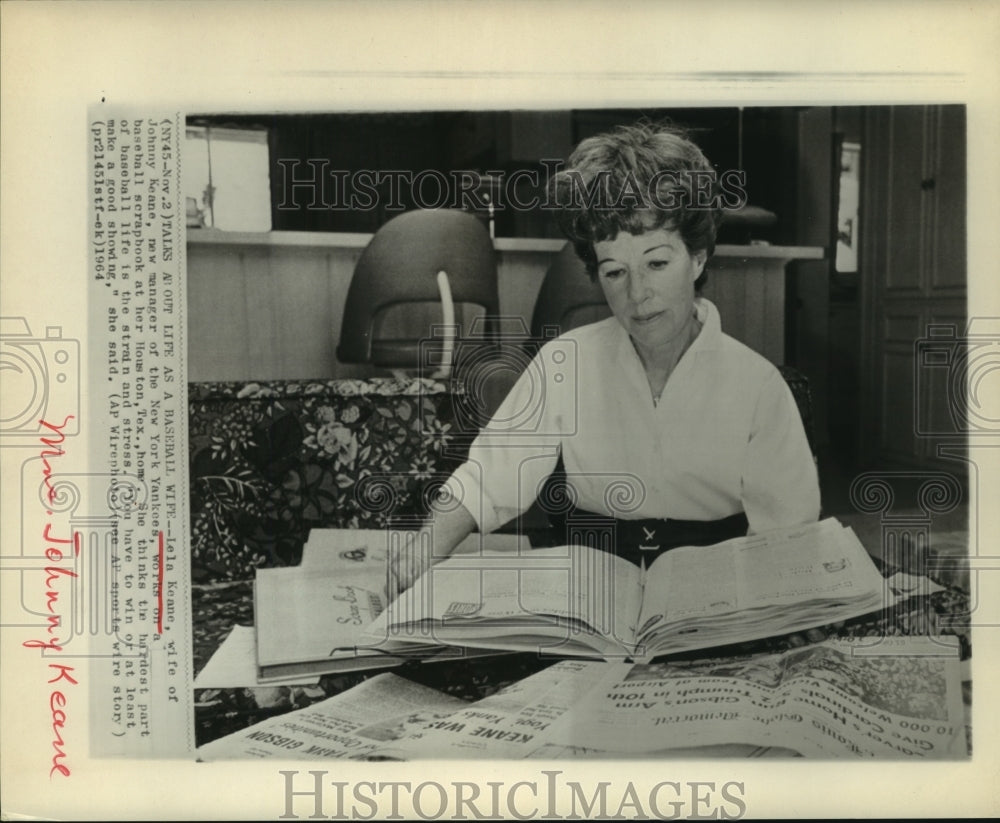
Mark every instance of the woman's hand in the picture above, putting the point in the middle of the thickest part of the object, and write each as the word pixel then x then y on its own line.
pixel 430 544
pixel 408 561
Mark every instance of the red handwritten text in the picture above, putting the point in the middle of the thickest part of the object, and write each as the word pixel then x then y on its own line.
pixel 56 551
pixel 57 702
pixel 53 449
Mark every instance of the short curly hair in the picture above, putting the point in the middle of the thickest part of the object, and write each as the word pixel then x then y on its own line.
pixel 637 178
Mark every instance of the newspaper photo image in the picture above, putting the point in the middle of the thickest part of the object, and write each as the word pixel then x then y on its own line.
pixel 530 434
pixel 313 454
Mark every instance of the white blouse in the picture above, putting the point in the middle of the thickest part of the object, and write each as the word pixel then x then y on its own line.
pixel 725 435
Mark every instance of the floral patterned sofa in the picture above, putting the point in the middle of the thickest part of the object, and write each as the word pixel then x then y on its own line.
pixel 271 460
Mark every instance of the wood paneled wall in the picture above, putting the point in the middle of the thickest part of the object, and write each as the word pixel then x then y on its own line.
pixel 266 307
pixel 914 262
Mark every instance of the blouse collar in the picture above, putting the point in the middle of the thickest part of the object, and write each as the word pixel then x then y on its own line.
pixel 708 340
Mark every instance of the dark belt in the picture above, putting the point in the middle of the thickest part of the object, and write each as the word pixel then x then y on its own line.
pixel 634 540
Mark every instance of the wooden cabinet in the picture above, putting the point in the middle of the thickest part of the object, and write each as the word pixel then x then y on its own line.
pixel 913 275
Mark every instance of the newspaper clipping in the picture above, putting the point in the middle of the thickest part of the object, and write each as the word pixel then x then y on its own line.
pixel 136 568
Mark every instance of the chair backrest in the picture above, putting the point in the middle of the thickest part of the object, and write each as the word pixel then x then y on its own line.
pixel 798 383
pixel 400 265
pixel 568 297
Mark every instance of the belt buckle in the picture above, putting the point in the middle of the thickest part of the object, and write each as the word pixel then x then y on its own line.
pixel 648 534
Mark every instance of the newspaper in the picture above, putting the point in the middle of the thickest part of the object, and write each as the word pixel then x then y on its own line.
pixel 513 723
pixel 899 697
pixel 353 724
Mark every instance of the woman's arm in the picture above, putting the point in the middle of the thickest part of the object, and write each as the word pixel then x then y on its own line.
pixel 435 540
pixel 506 465
pixel 780 481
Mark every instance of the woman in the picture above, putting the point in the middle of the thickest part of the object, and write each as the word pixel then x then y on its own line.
pixel 703 430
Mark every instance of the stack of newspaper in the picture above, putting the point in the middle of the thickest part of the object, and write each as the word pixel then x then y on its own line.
pixel 896 697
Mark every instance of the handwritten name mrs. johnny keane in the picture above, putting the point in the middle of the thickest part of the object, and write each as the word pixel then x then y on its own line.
pixel 57 552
